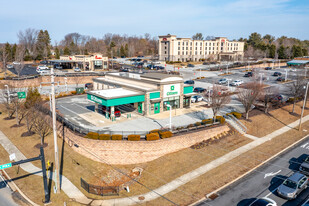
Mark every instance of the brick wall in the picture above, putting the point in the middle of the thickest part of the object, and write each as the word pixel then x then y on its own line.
pixel 129 152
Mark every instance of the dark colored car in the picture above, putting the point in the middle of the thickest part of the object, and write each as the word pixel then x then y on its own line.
pixel 189 82
pixel 276 74
pixel 268 68
pixel 281 79
pixel 123 56
pixel 114 57
pixel 248 74
pixel 199 89
pixel 124 70
pixel 88 86
pixel 105 109
pixel 304 167
pixel 190 65
pixel 206 63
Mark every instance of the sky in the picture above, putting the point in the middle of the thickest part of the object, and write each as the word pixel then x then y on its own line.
pixel 227 18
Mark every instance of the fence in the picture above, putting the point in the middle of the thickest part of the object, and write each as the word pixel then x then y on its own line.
pixel 99 190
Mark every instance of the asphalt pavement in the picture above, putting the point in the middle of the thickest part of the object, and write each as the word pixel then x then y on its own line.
pixel 264 181
pixel 6 198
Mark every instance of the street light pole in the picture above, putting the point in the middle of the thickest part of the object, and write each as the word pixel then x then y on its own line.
pixel 169 106
pixel 57 173
pixel 8 91
pixel 66 84
pixel 304 104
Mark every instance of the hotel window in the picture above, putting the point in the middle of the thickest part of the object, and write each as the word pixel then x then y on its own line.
pixel 165 52
pixel 178 43
pixel 209 48
pixel 200 52
pixel 213 48
pixel 191 43
pixel 179 53
pixel 195 43
pixel 178 48
pixel 200 48
pixel 201 44
pixel 195 52
pixel 190 52
pixel 183 43
pixel 187 43
pixel 221 43
pixel 183 48
pixel 222 48
pixel 217 43
pixel 186 53
pixel 164 47
pixel 187 48
pixel 206 44
pixel 190 48
pixel 182 53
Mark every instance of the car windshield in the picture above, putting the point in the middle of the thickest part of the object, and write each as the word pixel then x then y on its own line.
pixel 290 184
pixel 307 159
pixel 260 203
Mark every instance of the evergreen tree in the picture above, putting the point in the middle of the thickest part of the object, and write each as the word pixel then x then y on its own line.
pixel 281 52
pixel 126 50
pixel 14 48
pixel 66 51
pixel 122 52
pixel 8 50
pixel 272 51
pixel 297 51
pixel 57 53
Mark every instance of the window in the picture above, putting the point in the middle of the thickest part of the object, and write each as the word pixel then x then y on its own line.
pixel 196 44
pixel 190 52
pixel 182 53
pixel 187 48
pixel 186 53
pixel 191 43
pixel 217 43
pixel 165 52
pixel 178 43
pixel 213 48
pixel 165 47
pixel 221 43
pixel 183 43
pixel 187 43
pixel 201 44
pixel 165 43
pixel 200 52
pixel 209 48
pixel 179 53
pixel 190 48
pixel 195 48
pixel 178 48
pixel 222 48
pixel 183 48
pixel 206 44
pixel 200 48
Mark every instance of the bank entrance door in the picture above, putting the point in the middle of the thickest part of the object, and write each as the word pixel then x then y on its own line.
pixel 157 108
pixel 140 107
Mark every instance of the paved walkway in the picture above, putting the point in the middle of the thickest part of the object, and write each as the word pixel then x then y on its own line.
pixel 74 192
pixel 67 186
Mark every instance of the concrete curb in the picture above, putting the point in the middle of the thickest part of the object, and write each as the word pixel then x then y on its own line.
pixel 14 187
pixel 246 173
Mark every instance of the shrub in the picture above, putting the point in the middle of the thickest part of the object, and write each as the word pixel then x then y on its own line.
pixel 190 125
pixel 73 92
pixel 166 134
pixel 207 121
pixel 116 137
pixel 197 123
pixel 154 131
pixel 93 135
pixel 133 137
pixel 152 136
pixel 220 119
pixel 236 114
pixel 179 128
pixel 104 137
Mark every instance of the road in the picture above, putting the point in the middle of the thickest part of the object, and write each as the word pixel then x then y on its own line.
pixel 264 181
pixel 6 195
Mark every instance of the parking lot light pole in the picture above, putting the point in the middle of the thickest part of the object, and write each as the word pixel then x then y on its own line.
pixel 261 78
pixel 286 74
pixel 169 106
pixel 8 91
pixel 304 104
pixel 66 84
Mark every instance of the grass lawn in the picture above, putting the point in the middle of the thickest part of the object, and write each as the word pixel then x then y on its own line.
pixel 260 124
pixel 210 181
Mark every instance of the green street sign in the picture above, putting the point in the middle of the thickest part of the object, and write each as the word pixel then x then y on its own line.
pixel 79 90
pixel 21 95
pixel 5 166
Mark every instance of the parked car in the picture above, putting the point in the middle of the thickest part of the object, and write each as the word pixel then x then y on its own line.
pixel 88 86
pixel 42 67
pixel 237 83
pixel 292 186
pixel 199 89
pixel 248 74
pixel 77 69
pixel 190 65
pixel 264 201
pixel 9 66
pixel 189 82
pixel 123 56
pixel 304 167
pixel 206 63
pixel 196 98
pixel 43 72
pixel 105 109
pixel 276 74
pixel 124 70
pixel 222 81
pixel 280 79
pixel 268 68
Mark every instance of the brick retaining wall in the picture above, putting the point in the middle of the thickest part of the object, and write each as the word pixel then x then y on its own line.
pixel 129 152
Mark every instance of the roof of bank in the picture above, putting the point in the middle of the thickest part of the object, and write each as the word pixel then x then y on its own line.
pixel 114 93
pixel 160 76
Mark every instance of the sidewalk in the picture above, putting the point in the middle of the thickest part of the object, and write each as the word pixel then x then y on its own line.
pixel 66 186
pixel 73 192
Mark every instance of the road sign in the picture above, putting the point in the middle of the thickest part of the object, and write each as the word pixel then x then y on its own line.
pixel 5 166
pixel 21 95
pixel 12 157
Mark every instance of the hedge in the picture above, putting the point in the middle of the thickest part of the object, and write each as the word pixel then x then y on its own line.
pixel 92 135
pixel 152 136
pixel 220 119
pixel 235 114
pixel 73 92
pixel 104 137
pixel 116 137
pixel 133 137
pixel 197 123
pixel 166 134
pixel 190 125
pixel 207 121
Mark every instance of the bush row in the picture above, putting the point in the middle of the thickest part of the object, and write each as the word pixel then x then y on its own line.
pixel 94 135
pixel 235 114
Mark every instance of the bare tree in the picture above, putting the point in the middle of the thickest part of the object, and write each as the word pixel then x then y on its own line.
pixel 248 94
pixel 218 99
pixel 28 39
pixel 19 58
pixel 6 98
pixel 41 125
pixel 268 95
pixel 30 116
pixel 4 58
pixel 297 87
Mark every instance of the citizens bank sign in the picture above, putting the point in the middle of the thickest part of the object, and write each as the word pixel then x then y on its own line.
pixel 171 90
pixel 95 99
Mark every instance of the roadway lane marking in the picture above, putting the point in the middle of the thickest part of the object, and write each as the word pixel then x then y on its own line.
pixel 69 110
pixel 305 146
pixel 271 174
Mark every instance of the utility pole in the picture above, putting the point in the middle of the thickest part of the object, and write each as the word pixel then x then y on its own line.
pixel 304 104
pixel 57 173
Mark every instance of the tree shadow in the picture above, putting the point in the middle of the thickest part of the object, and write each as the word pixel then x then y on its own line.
pixel 50 178
pixel 17 125
pixel 27 134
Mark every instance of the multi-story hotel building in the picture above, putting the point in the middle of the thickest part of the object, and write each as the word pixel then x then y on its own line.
pixel 172 48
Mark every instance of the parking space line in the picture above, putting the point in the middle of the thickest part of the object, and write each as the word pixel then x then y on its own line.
pixel 69 110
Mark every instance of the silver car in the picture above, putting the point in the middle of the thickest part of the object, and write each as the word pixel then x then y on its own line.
pixel 304 167
pixel 264 201
pixel 292 186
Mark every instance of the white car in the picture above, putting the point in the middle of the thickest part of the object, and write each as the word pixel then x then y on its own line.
pixel 42 67
pixel 237 83
pixel 222 81
pixel 196 98
pixel 264 201
pixel 77 69
pixel 9 66
pixel 43 72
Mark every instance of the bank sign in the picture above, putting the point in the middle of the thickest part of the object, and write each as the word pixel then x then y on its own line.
pixel 171 90
pixel 95 99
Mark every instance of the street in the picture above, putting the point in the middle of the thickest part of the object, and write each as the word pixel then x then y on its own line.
pixel 6 194
pixel 264 181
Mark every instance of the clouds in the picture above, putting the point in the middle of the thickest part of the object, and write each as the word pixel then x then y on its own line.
pixel 233 19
